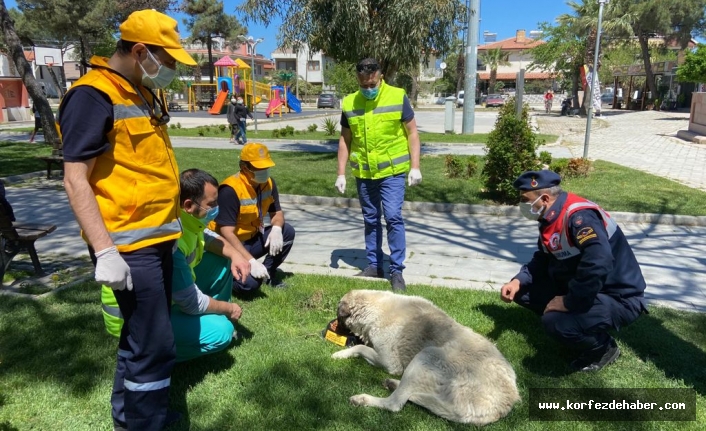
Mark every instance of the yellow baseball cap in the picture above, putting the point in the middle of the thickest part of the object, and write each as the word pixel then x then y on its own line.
pixel 155 28
pixel 257 155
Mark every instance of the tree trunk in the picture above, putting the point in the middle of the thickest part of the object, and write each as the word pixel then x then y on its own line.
pixel 415 90
pixel 25 71
pixel 649 75
pixel 84 60
pixel 56 80
pixel 575 88
pixel 588 60
pixel 460 72
pixel 493 78
pixel 209 41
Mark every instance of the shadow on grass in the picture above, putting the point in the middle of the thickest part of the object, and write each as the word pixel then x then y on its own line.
pixel 43 342
pixel 20 157
pixel 188 374
pixel 677 355
pixel 550 359
pixel 5 426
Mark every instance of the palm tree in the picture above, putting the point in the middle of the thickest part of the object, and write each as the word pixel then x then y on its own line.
pixel 584 23
pixel 494 58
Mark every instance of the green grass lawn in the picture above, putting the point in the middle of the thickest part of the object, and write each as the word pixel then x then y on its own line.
pixel 614 187
pixel 57 363
pixel 223 132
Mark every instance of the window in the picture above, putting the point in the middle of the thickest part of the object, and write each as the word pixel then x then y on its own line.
pixel 313 65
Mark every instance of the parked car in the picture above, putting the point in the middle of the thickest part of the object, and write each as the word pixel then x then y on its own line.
pixel 494 100
pixel 607 98
pixel 327 100
pixel 459 99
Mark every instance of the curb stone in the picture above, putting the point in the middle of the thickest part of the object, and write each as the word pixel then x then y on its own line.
pixel 500 210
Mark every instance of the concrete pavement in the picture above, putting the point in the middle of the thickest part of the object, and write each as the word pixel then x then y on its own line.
pixel 463 250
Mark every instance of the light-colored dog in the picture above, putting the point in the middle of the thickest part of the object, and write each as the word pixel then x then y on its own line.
pixel 446 367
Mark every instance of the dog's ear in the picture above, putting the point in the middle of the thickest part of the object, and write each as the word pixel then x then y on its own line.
pixel 343 309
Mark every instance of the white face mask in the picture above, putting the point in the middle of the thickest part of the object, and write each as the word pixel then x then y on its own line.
pixel 161 79
pixel 262 176
pixel 527 210
pixel 232 101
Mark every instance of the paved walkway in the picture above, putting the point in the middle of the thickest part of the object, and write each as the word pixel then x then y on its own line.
pixel 474 251
pixel 443 249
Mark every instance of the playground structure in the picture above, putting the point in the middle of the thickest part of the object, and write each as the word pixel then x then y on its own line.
pixel 281 99
pixel 234 78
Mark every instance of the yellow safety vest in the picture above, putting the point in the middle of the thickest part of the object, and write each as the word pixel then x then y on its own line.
pixel 251 215
pixel 136 182
pixel 379 146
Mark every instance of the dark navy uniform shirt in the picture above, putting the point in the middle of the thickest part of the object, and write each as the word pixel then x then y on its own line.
pixel 603 265
pixel 86 118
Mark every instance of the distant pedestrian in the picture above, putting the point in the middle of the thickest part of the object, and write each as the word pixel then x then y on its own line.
pixel 37 123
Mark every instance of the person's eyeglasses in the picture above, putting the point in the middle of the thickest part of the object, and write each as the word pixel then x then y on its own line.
pixel 367 68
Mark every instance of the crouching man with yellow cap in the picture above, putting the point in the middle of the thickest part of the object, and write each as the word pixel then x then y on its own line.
pixel 122 181
pixel 244 199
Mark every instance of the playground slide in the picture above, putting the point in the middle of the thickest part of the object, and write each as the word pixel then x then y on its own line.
pixel 218 105
pixel 294 103
pixel 274 104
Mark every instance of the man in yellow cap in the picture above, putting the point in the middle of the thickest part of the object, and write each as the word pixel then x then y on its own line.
pixel 122 181
pixel 244 199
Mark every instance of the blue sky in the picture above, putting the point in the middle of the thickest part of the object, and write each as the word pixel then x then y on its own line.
pixel 503 17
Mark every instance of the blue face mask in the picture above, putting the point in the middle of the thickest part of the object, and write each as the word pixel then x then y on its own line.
pixel 211 214
pixel 370 93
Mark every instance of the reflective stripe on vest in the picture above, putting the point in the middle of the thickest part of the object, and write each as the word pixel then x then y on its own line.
pixel 567 250
pixel 135 182
pixel 383 165
pixel 113 311
pixel 378 110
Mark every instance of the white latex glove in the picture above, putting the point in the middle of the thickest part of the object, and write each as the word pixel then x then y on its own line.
pixel 112 270
pixel 414 178
pixel 257 269
pixel 275 240
pixel 341 183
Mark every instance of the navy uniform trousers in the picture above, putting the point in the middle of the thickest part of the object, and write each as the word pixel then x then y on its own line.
pixel 586 332
pixel 146 350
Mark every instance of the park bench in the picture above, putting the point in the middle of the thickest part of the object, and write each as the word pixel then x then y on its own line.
pixel 19 237
pixel 173 106
pixel 53 160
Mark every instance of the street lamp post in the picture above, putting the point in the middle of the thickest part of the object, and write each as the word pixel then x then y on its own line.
pixel 594 79
pixel 253 43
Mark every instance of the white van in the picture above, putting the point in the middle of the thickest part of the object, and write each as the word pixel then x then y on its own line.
pixel 459 99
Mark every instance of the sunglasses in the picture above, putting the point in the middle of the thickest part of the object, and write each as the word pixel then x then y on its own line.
pixel 367 68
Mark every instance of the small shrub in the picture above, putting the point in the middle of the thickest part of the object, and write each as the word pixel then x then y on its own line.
pixel 472 166
pixel 288 131
pixel 208 129
pixel 330 126
pixel 461 166
pixel 298 132
pixel 221 127
pixel 312 127
pixel 178 125
pixel 453 166
pixel 511 150
pixel 201 132
pixel 578 168
pixel 172 126
pixel 559 166
pixel 275 133
pixel 545 157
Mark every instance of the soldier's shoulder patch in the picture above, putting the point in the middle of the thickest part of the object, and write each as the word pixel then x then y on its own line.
pixel 578 221
pixel 585 234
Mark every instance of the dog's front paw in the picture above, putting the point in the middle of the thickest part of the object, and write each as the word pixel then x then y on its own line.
pixel 341 354
pixel 360 400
